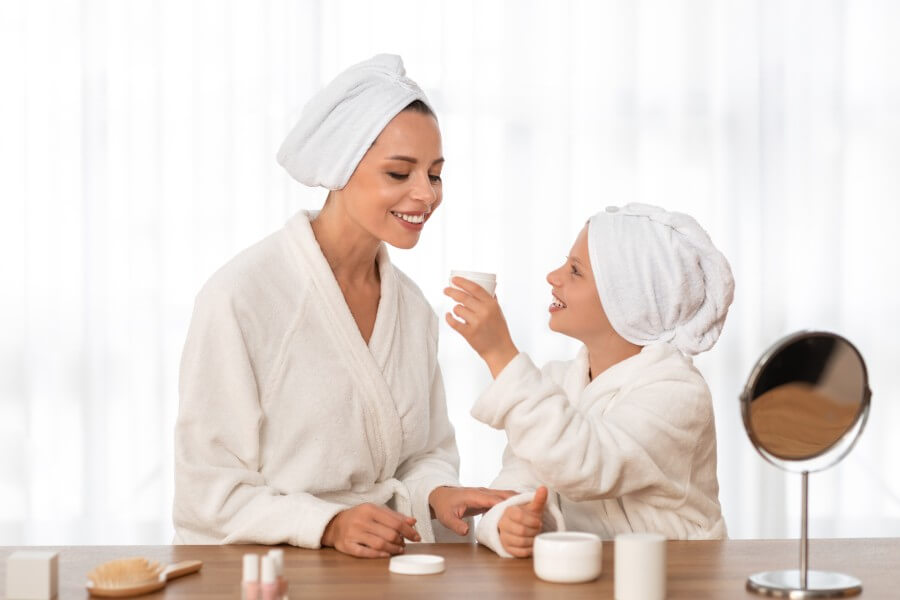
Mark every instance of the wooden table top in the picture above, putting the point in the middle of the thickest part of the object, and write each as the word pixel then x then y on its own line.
pixel 696 569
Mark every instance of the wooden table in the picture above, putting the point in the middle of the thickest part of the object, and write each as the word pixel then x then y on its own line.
pixel 696 569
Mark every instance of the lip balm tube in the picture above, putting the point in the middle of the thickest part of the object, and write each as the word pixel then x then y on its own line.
pixel 250 579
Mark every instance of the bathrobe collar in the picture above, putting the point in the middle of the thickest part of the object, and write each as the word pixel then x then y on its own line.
pixel 385 317
pixel 367 361
pixel 576 379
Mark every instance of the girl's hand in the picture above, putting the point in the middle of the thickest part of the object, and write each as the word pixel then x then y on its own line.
pixel 482 324
pixel 369 531
pixel 451 505
pixel 520 524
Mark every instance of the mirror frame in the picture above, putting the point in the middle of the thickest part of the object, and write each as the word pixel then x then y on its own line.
pixel 839 449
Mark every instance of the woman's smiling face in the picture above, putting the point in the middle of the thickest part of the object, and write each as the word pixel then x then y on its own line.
pixel 576 310
pixel 397 185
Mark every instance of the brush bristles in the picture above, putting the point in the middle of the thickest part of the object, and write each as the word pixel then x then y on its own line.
pixel 125 572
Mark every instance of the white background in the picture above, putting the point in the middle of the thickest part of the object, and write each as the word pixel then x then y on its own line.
pixel 137 143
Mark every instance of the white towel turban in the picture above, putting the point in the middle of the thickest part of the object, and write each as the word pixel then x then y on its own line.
pixel 339 124
pixel 659 277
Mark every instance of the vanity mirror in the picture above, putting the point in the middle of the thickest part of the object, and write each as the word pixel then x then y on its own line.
pixel 804 406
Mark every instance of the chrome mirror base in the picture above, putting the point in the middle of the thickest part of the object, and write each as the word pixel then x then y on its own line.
pixel 819 584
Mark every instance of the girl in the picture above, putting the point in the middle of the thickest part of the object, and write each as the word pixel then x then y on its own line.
pixel 623 434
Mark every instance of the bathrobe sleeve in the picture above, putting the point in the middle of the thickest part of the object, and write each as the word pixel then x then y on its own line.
pixel 437 463
pixel 516 475
pixel 220 495
pixel 642 442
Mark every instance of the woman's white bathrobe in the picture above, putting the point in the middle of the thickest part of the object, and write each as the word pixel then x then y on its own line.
pixel 632 450
pixel 288 417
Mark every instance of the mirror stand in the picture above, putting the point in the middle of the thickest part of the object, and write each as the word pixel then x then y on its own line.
pixel 803 583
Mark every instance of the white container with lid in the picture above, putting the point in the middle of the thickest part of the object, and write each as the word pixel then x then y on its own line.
pixel 488 281
pixel 568 556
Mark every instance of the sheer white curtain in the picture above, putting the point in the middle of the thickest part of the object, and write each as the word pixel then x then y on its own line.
pixel 137 143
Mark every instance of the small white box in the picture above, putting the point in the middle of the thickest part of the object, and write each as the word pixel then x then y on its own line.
pixel 32 575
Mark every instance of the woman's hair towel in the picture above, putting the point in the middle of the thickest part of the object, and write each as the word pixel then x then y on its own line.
pixel 339 124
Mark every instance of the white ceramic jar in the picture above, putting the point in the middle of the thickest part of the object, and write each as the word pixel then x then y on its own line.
pixel 488 281
pixel 568 556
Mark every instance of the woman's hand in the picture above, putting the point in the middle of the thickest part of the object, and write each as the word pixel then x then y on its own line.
pixel 369 531
pixel 451 504
pixel 484 326
pixel 520 524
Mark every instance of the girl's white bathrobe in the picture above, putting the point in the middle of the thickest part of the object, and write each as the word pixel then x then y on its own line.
pixel 287 417
pixel 632 450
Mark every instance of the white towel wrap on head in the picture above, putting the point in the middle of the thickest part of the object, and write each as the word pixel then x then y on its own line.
pixel 339 124
pixel 659 277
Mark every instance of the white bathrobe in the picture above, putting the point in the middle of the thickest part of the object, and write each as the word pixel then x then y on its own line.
pixel 632 450
pixel 287 417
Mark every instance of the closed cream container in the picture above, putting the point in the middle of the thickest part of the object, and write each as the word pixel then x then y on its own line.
pixel 568 556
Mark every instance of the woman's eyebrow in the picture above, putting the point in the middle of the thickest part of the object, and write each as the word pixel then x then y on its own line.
pixel 412 160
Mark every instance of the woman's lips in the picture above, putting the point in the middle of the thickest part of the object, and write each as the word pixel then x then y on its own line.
pixel 414 221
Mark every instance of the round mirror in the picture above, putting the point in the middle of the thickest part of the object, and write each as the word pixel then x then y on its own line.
pixel 806 401
pixel 804 406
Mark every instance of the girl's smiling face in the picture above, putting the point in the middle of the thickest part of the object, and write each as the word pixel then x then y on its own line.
pixel 576 310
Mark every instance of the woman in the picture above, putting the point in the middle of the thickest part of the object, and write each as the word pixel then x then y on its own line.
pixel 623 434
pixel 312 407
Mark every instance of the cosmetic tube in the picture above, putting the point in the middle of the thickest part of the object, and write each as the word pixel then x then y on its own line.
pixel 269 583
pixel 278 555
pixel 250 579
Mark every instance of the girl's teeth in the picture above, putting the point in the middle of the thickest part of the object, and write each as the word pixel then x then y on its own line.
pixel 410 218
